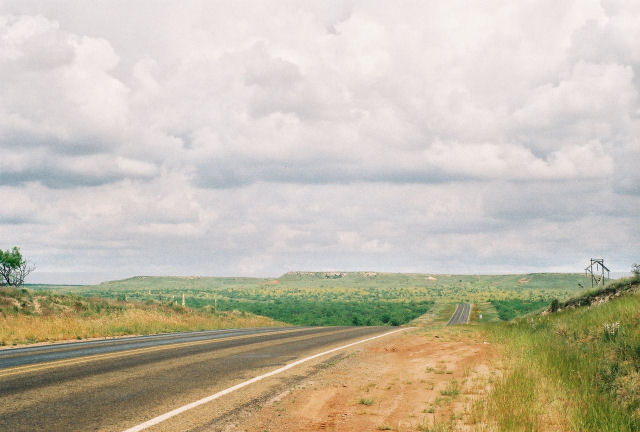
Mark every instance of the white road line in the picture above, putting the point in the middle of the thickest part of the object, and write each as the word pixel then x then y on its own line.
pixel 175 412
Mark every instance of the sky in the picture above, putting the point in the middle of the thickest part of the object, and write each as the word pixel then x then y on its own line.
pixel 258 137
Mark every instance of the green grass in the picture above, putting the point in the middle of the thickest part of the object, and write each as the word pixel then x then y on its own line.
pixel 451 389
pixel 583 364
pixel 437 427
pixel 367 402
pixel 508 309
pixel 483 313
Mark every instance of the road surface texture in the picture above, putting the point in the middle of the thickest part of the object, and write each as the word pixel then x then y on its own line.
pixel 46 353
pixel 461 314
pixel 108 388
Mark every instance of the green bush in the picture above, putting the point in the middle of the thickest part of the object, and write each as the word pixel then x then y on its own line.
pixel 510 308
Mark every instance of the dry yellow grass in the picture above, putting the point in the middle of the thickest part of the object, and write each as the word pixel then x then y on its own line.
pixel 21 329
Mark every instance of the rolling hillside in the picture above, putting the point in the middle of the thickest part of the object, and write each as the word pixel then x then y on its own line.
pixel 575 369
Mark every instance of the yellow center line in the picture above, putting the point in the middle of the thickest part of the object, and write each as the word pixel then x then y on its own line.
pixel 94 357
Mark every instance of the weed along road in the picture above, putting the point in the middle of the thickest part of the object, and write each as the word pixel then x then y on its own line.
pixel 120 384
pixel 460 315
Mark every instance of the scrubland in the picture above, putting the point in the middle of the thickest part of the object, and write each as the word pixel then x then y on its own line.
pixel 347 298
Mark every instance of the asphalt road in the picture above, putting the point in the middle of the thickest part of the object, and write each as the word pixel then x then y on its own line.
pixel 45 353
pixel 461 314
pixel 116 384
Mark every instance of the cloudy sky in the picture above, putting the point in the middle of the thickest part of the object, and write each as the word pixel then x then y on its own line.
pixel 258 137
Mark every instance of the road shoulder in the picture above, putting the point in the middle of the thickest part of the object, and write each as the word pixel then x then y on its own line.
pixel 412 380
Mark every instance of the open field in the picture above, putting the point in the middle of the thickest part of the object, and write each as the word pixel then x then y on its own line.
pixel 340 298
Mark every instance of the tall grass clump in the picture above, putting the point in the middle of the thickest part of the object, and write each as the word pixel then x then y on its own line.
pixel 577 369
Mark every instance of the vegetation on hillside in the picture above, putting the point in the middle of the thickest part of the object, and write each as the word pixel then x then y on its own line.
pixel 28 316
pixel 301 312
pixel 508 309
pixel 576 369
pixel 342 298
pixel 612 289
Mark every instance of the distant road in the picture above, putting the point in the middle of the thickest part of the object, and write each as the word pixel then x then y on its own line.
pixel 120 383
pixel 461 314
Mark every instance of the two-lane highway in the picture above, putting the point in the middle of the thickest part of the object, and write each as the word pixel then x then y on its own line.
pixel 47 353
pixel 461 314
pixel 117 384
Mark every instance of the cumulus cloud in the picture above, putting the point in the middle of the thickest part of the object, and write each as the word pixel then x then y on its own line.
pixel 57 86
pixel 318 134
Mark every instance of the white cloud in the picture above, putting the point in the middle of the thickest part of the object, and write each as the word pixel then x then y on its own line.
pixel 299 134
pixel 57 86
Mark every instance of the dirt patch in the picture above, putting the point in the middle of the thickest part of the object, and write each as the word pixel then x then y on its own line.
pixel 408 382
pixel 37 307
pixel 272 282
pixel 11 302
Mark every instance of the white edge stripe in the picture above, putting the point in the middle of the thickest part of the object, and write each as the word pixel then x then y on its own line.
pixel 175 412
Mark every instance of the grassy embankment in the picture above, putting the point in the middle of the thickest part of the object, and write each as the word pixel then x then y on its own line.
pixel 28 316
pixel 576 369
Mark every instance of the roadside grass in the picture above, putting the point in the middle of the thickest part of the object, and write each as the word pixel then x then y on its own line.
pixel 488 312
pixel 28 317
pixel 451 389
pixel 444 311
pixel 578 369
pixel 426 426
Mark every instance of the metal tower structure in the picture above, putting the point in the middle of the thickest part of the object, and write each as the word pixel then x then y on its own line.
pixel 596 270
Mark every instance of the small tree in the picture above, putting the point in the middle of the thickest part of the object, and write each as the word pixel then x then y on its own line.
pixel 13 268
pixel 555 305
pixel 635 269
